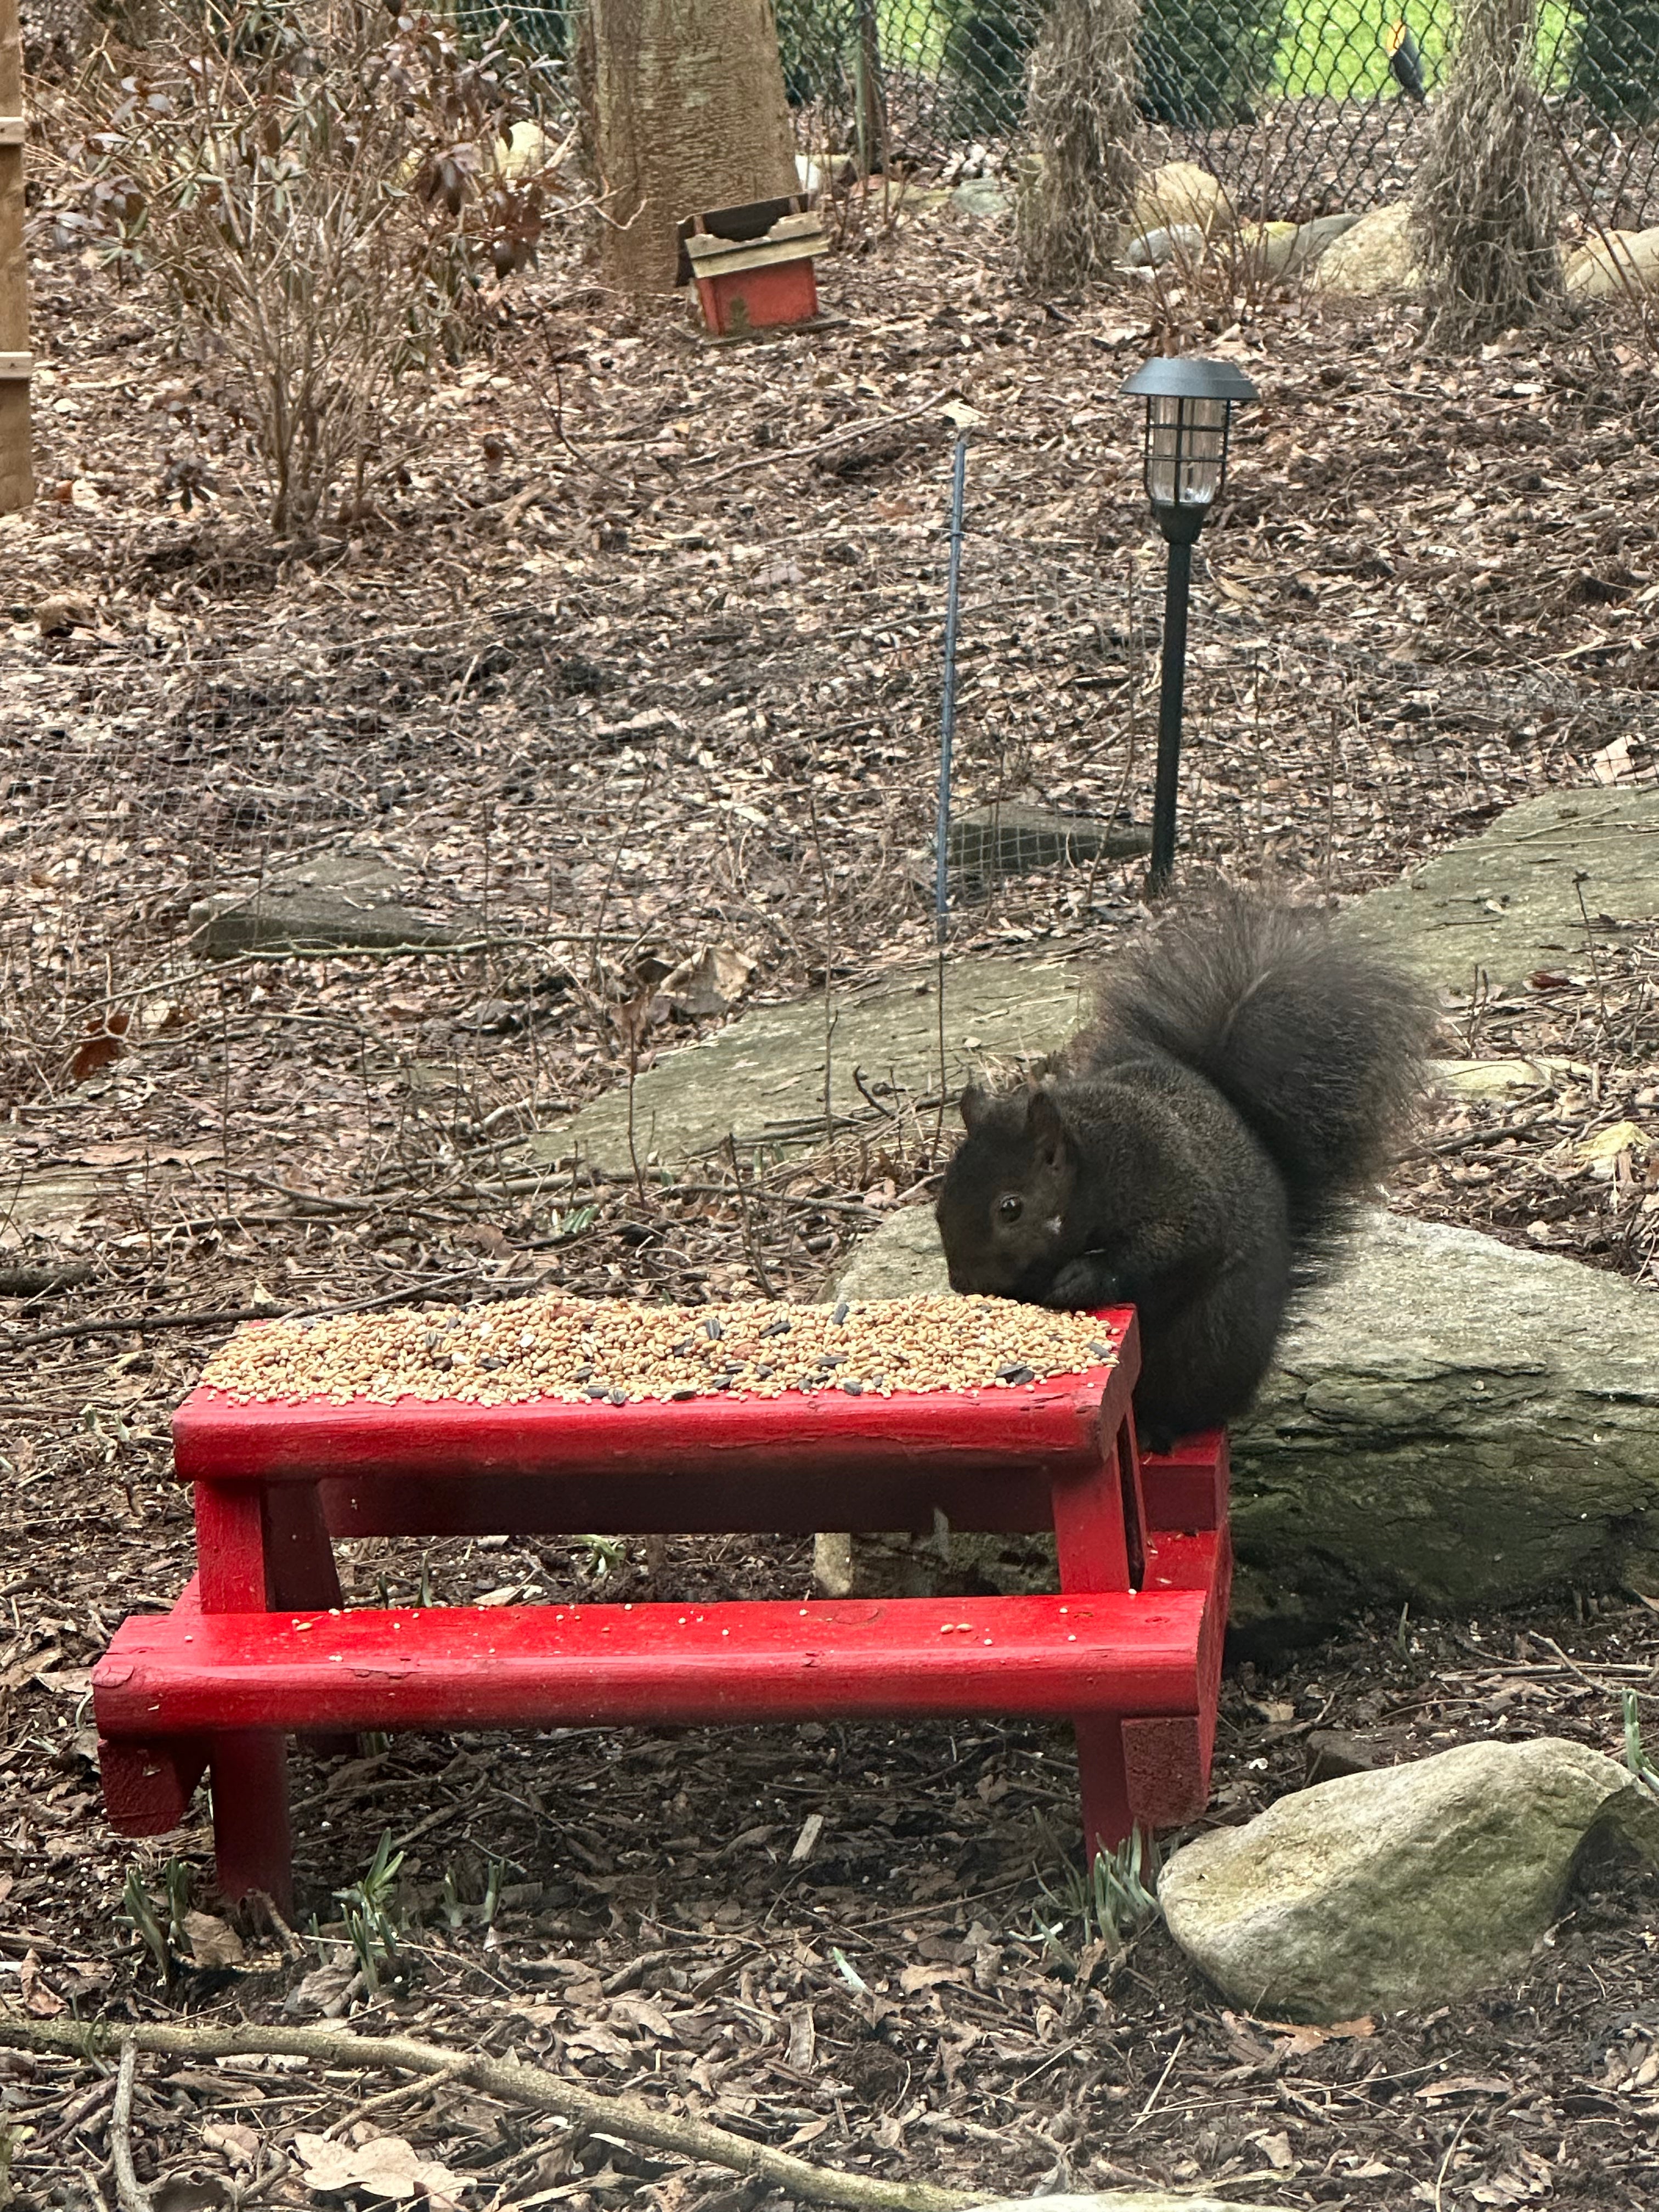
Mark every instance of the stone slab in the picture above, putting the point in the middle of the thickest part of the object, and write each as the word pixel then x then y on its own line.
pixel 761 1080
pixel 1122 2200
pixel 1504 904
pixel 340 900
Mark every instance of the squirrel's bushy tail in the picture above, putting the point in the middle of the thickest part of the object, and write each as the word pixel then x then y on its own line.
pixel 1316 1043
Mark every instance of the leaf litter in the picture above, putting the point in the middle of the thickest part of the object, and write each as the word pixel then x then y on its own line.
pixel 652 715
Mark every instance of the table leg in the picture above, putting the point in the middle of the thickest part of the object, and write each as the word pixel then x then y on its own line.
pixel 251 1839
pixel 248 1766
pixel 1107 1815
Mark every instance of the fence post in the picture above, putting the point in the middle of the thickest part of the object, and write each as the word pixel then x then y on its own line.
pixel 16 480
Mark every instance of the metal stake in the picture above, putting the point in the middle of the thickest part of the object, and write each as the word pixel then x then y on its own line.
pixel 947 721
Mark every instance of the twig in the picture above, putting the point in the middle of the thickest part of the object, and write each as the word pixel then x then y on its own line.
pixel 1145 2113
pixel 425 2088
pixel 117 1324
pixel 134 2198
pixel 509 2079
pixel 41 1282
pixel 77 2115
pixel 1445 2163
pixel 751 1244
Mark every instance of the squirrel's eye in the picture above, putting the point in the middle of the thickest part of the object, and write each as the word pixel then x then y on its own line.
pixel 1011 1208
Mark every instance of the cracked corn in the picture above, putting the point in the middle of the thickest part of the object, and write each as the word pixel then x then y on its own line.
pixel 608 1352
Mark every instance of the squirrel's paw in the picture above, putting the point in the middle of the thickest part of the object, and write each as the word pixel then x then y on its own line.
pixel 1083 1282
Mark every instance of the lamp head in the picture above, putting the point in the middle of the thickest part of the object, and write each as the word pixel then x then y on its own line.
pixel 1190 407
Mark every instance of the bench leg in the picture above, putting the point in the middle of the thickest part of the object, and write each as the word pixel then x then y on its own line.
pixel 251 1839
pixel 1104 1781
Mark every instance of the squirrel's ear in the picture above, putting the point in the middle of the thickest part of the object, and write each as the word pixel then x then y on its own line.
pixel 973 1108
pixel 1044 1124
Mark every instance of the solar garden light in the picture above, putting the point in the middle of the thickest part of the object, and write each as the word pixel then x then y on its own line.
pixel 1189 406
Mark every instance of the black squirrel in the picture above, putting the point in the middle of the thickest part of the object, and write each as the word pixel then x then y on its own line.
pixel 1246 1073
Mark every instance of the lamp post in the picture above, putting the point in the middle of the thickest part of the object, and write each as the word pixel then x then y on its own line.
pixel 1189 406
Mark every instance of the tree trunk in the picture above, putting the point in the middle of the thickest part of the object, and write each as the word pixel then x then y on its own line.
pixel 1081 124
pixel 16 484
pixel 687 112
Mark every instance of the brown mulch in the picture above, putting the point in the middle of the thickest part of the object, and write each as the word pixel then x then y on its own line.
pixel 641 655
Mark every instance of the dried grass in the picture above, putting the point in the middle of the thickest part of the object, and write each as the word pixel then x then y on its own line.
pixel 1082 118
pixel 1487 200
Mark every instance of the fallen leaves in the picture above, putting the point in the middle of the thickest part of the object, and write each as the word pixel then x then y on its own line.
pixel 387 2168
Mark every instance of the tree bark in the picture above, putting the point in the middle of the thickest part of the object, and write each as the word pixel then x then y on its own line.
pixel 686 111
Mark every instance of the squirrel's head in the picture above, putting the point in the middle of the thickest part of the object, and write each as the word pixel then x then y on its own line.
pixel 1002 1209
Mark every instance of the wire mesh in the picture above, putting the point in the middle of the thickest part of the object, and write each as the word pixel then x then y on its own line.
pixel 1302 108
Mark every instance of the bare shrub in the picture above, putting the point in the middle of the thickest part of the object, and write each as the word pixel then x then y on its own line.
pixel 1487 203
pixel 1081 119
pixel 316 186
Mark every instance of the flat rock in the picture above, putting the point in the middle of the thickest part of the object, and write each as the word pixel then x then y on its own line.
pixel 1401 1889
pixel 1122 2200
pixel 1010 840
pixel 983 197
pixel 1506 1076
pixel 1153 249
pixel 760 1079
pixel 1505 904
pixel 1451 1423
pixel 343 900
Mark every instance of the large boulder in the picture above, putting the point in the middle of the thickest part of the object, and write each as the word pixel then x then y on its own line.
pixel 1403 1888
pixel 1456 1423
pixel 1627 261
pixel 1376 254
pixel 761 1080
pixel 1451 1423
pixel 1180 192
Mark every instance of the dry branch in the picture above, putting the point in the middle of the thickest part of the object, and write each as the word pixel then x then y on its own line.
pixel 510 2079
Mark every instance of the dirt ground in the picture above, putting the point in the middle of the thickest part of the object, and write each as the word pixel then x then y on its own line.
pixel 639 655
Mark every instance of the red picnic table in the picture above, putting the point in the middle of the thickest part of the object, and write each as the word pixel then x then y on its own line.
pixel 260 1645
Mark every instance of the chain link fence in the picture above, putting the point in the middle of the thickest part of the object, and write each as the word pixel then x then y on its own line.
pixel 1302 108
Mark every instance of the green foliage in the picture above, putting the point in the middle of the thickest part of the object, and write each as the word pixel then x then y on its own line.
pixel 816 45
pixel 140 1914
pixel 1206 62
pixel 1615 59
pixel 987 45
pixel 1635 1757
pixel 1109 1903
pixel 368 1908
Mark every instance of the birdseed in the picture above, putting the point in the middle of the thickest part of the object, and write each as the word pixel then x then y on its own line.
pixel 607 1351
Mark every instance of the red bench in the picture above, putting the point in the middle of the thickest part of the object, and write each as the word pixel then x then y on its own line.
pixel 260 1645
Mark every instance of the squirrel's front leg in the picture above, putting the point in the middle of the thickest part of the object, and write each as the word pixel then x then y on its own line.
pixel 1088 1281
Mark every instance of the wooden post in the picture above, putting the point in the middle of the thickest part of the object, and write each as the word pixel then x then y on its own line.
pixel 16 476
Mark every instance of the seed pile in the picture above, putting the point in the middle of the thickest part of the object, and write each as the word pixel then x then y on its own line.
pixel 578 1349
